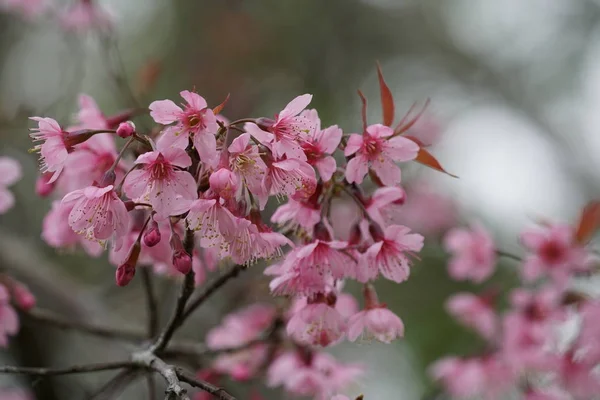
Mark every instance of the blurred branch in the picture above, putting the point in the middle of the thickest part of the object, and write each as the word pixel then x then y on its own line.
pixel 115 385
pixel 151 304
pixel 75 369
pixel 218 392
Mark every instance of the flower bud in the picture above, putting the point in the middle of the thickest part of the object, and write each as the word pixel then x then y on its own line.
pixel 182 261
pixel 126 129
pixel 224 182
pixel 108 179
pixel 42 187
pixel 126 271
pixel 23 297
pixel 152 235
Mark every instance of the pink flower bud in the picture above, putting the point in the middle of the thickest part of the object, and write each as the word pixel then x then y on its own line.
pixel 224 183
pixel 265 123
pixel 182 261
pixel 126 129
pixel 42 186
pixel 23 297
pixel 125 274
pixel 108 178
pixel 152 235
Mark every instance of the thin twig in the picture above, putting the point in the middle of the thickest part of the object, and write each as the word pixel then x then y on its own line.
pixel 75 369
pixel 506 254
pixel 211 288
pixel 187 288
pixel 48 317
pixel 190 379
pixel 151 387
pixel 149 360
pixel 115 385
pixel 151 303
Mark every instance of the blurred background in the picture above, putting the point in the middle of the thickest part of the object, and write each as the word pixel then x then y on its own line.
pixel 514 89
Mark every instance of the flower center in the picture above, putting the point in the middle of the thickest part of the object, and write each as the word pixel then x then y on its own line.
pixel 160 169
pixel 194 119
pixel 552 252
pixel 371 147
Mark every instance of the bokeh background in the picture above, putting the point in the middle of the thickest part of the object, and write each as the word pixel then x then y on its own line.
pixel 514 89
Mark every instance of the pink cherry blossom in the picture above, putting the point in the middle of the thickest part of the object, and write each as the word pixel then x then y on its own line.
pixel 224 183
pixel 373 149
pixel 378 322
pixel 297 214
pixel 29 9
pixel 10 173
pixel 159 182
pixel 9 321
pixel 474 312
pixel 318 145
pixel 215 224
pixel 312 268
pixel 486 376
pixel 579 376
pixel 86 15
pixel 195 121
pixel 555 253
pixel 474 253
pixel 283 135
pixel 245 161
pixel 317 324
pixel 89 115
pixel 388 255
pixel 588 340
pixel 382 201
pixel 57 232
pixel 54 149
pixel 204 260
pixel 292 178
pixel 98 214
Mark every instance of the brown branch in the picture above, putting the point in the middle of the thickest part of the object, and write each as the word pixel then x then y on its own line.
pixel 147 359
pixel 211 288
pixel 187 288
pixel 75 369
pixel 190 379
pixel 151 387
pixel 151 304
pixel 48 317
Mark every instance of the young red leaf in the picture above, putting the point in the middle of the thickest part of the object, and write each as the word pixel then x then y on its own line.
pixel 363 111
pixel 426 158
pixel 405 125
pixel 220 107
pixel 589 222
pixel 387 100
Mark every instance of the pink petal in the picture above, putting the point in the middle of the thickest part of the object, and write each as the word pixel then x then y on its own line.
pixel 7 200
pixel 356 169
pixel 10 171
pixel 193 99
pixel 240 143
pixel 136 183
pixel 379 131
pixel 401 149
pixel 173 136
pixel 265 138
pixel 388 172
pixel 354 144
pixel 165 111
pixel 177 156
pixel 295 106
pixel 206 146
pixel 330 139
pixel 326 167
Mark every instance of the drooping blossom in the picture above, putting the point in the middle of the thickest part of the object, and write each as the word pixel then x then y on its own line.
pixel 86 15
pixel 374 150
pixel 474 312
pixel 57 232
pixel 236 330
pixel 283 136
pixel 473 253
pixel 195 121
pixel 318 145
pixel 554 253
pixel 389 255
pixel 292 178
pixel 203 260
pixel 486 376
pixel 53 149
pixel 9 321
pixel 245 161
pixel 381 201
pixel 10 173
pixel 297 214
pixel 378 322
pixel 98 214
pixel 317 324
pixel 160 182
pixel 312 268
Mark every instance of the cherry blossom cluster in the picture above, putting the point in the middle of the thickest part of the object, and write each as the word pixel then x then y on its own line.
pixel 189 195
pixel 545 344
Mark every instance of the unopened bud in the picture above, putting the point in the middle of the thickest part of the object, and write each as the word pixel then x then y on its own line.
pixel 108 178
pixel 126 129
pixel 224 182
pixel 23 297
pixel 129 205
pixel 182 261
pixel 42 187
pixel 265 123
pixel 152 235
pixel 126 271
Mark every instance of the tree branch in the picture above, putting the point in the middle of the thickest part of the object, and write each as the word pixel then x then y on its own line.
pixel 190 379
pixel 151 304
pixel 48 317
pixel 187 288
pixel 211 288
pixel 149 360
pixel 76 369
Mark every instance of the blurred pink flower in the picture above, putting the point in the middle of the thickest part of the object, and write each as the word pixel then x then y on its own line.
pixel 317 324
pixel 474 312
pixel 10 173
pixel 374 149
pixel 474 253
pixel 9 321
pixel 85 15
pixel 297 214
pixel 29 9
pixel 378 322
